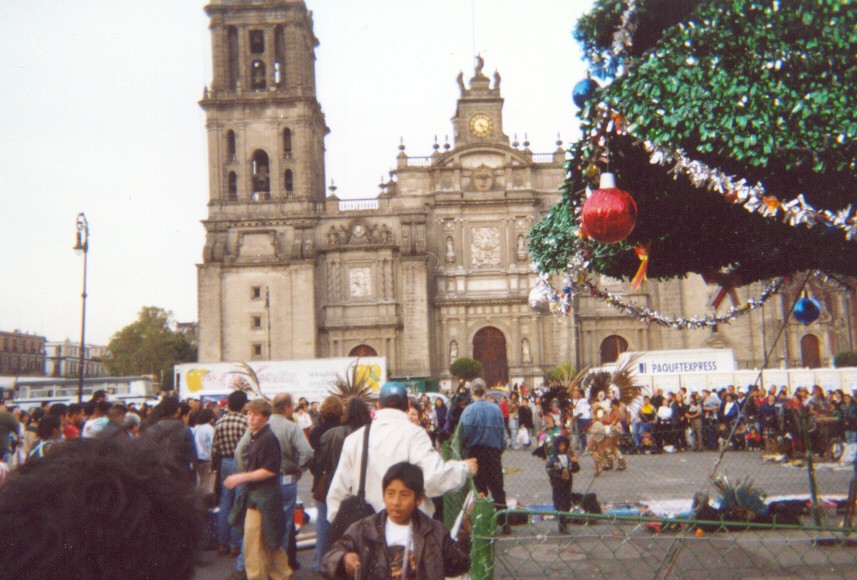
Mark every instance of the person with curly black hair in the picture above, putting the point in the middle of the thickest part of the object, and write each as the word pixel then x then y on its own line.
pixel 98 509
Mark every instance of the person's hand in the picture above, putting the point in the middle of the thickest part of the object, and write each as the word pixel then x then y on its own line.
pixel 471 465
pixel 351 561
pixel 232 481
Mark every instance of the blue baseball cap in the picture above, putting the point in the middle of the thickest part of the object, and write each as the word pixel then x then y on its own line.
pixel 392 389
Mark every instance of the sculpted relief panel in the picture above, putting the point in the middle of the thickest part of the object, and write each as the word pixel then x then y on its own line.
pixel 485 247
pixel 360 282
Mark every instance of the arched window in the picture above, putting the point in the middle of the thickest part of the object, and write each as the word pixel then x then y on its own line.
pixel 363 350
pixel 289 181
pixel 261 175
pixel 612 347
pixel 287 143
pixel 257 75
pixel 810 351
pixel 233 186
pixel 230 146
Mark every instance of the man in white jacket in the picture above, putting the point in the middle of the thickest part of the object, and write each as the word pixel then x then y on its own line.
pixel 392 439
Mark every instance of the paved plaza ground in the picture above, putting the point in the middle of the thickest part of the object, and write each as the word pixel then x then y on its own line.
pixel 666 483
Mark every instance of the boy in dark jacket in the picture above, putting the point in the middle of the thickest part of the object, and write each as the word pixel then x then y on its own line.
pixel 561 466
pixel 399 536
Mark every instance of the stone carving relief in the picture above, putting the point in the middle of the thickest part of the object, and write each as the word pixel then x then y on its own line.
pixel 526 356
pixel 453 351
pixel 485 246
pixel 360 282
pixel 482 179
pixel 357 233
pixel 521 246
pixel 450 250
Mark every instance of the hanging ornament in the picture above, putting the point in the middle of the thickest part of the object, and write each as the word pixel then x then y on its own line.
pixel 609 214
pixel 807 310
pixel 540 298
pixel 583 92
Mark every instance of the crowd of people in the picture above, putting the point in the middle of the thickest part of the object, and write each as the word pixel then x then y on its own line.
pixel 240 460
pixel 709 420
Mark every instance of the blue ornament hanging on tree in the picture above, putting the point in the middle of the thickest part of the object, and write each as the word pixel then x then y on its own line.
pixel 583 92
pixel 807 310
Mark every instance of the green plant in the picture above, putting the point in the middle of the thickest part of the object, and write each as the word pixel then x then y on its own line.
pixel 564 373
pixel 465 368
pixel 846 358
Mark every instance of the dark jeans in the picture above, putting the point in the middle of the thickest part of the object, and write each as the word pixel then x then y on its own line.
pixel 561 492
pixel 489 475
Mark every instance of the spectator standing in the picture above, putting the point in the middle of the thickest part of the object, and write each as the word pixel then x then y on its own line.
pixel 514 404
pixel 203 436
pixel 97 411
pixel 326 459
pixel 296 455
pixel 694 419
pixel 263 515
pixel 171 436
pixel 392 439
pixel 227 433
pixel 582 413
pixel 8 430
pixel 50 433
pixel 74 421
pixel 330 417
pixel 525 419
pixel 482 439
pixel 710 410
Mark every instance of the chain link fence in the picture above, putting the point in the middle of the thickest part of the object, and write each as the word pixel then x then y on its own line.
pixel 672 511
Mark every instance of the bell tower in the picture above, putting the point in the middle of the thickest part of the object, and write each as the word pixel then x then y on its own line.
pixel 265 127
pixel 266 134
pixel 479 115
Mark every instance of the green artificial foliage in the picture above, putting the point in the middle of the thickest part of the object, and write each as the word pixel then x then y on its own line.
pixel 764 91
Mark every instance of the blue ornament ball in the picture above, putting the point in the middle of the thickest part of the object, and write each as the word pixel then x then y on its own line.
pixel 807 310
pixel 583 92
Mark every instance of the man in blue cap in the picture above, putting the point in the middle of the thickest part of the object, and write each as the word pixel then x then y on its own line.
pixel 393 439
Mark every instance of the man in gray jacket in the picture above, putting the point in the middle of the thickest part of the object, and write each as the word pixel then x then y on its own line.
pixel 297 455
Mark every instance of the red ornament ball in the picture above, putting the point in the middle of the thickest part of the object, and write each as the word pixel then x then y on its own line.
pixel 609 214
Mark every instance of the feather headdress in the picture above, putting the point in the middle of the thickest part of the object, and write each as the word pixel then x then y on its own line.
pixel 620 380
pixel 355 383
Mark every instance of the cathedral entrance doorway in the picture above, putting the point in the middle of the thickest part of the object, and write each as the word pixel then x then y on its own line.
pixel 810 351
pixel 362 350
pixel 489 348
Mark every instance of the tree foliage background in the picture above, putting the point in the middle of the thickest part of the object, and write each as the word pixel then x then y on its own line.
pixel 150 346
pixel 763 90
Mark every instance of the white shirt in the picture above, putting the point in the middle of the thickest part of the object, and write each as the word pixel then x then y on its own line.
pixel 304 420
pixel 94 426
pixel 393 438
pixel 582 410
pixel 203 435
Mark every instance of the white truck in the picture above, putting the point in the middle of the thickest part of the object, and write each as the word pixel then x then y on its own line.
pixel 715 368
pixel 312 379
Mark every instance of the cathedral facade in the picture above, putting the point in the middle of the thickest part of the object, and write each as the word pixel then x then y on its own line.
pixel 435 267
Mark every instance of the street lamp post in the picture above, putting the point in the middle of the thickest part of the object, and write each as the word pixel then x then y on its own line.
pixel 82 245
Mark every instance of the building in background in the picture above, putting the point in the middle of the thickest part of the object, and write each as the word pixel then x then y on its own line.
pixel 22 354
pixel 63 360
pixel 434 267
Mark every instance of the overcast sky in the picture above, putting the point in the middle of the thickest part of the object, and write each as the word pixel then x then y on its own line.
pixel 99 114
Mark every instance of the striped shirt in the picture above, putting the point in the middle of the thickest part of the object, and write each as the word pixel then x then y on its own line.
pixel 227 433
